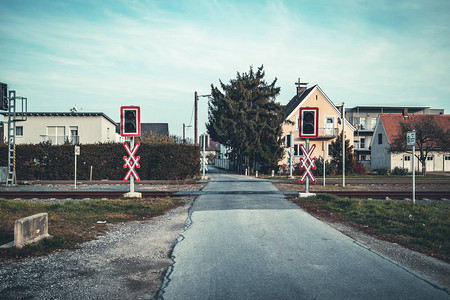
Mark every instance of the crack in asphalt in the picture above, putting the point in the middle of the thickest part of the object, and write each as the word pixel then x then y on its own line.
pixel 166 278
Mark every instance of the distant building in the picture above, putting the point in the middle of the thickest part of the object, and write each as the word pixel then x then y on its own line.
pixel 364 119
pixel 63 127
pixel 386 131
pixel 159 129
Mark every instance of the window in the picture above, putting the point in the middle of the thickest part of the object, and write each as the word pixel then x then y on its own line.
pixel 362 157
pixel 74 139
pixel 297 150
pixel 380 139
pixel 446 157
pixel 362 123
pixel 19 130
pixel 429 158
pixel 373 123
pixel 362 143
pixel 56 134
pixel 329 150
pixel 407 158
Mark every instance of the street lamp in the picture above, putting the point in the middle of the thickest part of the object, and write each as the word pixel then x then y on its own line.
pixel 196 116
pixel 184 132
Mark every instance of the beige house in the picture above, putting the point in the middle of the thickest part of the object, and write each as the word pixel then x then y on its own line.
pixel 329 122
pixel 387 130
pixel 63 127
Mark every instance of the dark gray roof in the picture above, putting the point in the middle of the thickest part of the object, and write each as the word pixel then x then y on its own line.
pixel 160 129
pixel 296 100
pixel 157 128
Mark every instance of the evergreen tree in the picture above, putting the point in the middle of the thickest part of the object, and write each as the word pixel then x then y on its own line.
pixel 336 152
pixel 244 116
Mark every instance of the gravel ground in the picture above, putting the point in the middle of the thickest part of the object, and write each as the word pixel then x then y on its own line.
pixel 126 263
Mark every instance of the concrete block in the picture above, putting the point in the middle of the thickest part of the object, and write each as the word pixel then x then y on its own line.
pixel 306 195
pixel 133 195
pixel 30 229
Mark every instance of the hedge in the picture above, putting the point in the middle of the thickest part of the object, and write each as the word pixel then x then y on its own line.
pixel 51 162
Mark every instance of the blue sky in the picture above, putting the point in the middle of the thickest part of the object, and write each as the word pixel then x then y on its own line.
pixel 100 55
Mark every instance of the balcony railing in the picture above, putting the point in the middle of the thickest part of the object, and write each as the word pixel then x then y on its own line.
pixel 61 139
pixel 328 132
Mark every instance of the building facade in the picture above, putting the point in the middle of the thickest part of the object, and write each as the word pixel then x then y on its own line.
pixel 63 127
pixel 329 122
pixel 364 119
pixel 387 130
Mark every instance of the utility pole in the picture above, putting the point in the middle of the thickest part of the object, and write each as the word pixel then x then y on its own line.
pixel 196 117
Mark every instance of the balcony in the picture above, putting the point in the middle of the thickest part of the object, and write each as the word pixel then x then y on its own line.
pixel 61 139
pixel 328 132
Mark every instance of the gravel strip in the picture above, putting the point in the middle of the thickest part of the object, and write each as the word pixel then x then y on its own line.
pixel 126 263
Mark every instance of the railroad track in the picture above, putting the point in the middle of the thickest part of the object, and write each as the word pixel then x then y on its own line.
pixel 79 194
pixel 154 194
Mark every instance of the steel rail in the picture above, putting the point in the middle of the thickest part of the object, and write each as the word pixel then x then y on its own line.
pixel 149 194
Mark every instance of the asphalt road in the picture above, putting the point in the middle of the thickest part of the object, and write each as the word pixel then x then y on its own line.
pixel 245 242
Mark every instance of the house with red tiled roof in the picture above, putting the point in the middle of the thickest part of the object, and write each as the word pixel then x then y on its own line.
pixel 387 130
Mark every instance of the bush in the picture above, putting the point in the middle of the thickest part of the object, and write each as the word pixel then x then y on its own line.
pixel 382 171
pixel 157 161
pixel 399 171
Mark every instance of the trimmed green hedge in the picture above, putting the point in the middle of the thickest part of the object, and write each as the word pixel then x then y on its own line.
pixel 157 161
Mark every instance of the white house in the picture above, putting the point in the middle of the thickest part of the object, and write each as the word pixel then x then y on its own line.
pixel 387 130
pixel 63 127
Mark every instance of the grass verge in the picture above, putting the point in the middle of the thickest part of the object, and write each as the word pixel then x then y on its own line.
pixel 423 227
pixel 74 222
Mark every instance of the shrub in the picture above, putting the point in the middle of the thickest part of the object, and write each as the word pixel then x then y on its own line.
pixel 382 171
pixel 399 171
pixel 50 162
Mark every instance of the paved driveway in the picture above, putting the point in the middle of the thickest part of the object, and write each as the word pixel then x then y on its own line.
pixel 247 242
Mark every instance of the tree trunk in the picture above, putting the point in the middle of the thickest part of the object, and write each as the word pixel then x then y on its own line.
pixel 424 167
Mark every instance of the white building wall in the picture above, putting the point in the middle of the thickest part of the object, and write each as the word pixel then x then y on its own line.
pixel 380 157
pixel 91 129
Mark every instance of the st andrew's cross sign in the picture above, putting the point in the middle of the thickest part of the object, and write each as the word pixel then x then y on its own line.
pixel 307 163
pixel 131 162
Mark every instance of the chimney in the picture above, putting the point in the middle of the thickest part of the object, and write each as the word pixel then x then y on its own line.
pixel 301 86
pixel 405 113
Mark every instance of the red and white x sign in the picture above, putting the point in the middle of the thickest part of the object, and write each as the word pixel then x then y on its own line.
pixel 131 162
pixel 307 163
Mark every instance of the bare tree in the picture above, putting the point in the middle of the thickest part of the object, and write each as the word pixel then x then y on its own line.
pixel 430 137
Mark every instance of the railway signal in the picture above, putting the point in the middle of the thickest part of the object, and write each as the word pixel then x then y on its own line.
pixel 309 117
pixel 130 121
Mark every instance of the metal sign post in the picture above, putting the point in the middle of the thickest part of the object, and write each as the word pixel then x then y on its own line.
pixel 77 152
pixel 291 153
pixel 411 141
pixel 324 161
